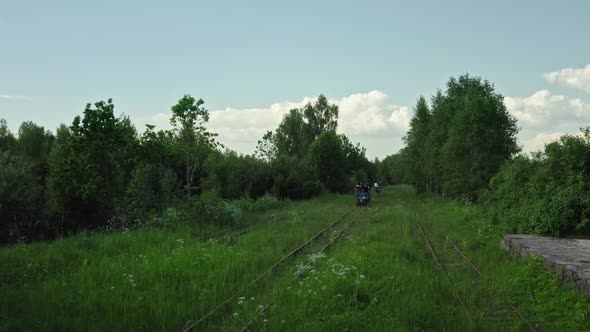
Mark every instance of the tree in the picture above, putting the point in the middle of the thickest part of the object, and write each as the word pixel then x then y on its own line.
pixel 357 164
pixel 7 139
pixel 294 178
pixel 290 136
pixel 354 154
pixel 327 156
pixel 21 197
pixel 416 152
pixel 321 117
pixel 391 169
pixel 301 127
pixel 266 149
pixel 90 166
pixel 456 147
pixel 544 194
pixel 188 120
pixel 481 137
pixel 35 143
pixel 151 188
pixel 234 176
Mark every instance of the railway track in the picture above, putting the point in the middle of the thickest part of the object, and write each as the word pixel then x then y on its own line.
pixel 322 238
pixel 455 264
pixel 323 248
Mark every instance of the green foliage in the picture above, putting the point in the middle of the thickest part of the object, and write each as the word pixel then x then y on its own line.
pixel 192 138
pixel 378 277
pixel 265 203
pixel 151 188
pixel 98 173
pixel 234 176
pixel 301 127
pixel 321 117
pixel 482 136
pixel 294 178
pixel 21 197
pixel 391 169
pixel 35 143
pixel 310 133
pixel 159 147
pixel 416 153
pixel 291 136
pixel 7 139
pixel 545 194
pixel 210 208
pixel 146 277
pixel 462 141
pixel 89 166
pixel 327 155
pixel 266 149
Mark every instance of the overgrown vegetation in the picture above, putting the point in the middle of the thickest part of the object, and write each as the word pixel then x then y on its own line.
pixel 456 146
pixel 546 193
pixel 379 276
pixel 463 145
pixel 100 171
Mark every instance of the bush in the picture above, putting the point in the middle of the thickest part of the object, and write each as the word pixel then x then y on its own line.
pixel 210 208
pixel 151 188
pixel 262 204
pixel 294 178
pixel 545 194
pixel 234 176
pixel 21 198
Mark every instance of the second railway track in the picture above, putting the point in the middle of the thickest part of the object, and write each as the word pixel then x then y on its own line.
pixel 454 264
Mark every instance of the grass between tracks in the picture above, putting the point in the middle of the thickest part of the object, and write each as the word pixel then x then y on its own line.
pixel 379 276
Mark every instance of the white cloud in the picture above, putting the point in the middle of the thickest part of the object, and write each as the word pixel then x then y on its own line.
pixel 538 142
pixel 13 98
pixel 578 78
pixel 538 109
pixel 378 124
pixel 371 113
pixel 544 117
pixel 361 116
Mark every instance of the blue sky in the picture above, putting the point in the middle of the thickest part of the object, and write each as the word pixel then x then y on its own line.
pixel 239 56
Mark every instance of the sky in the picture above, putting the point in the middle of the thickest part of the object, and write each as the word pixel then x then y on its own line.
pixel 251 61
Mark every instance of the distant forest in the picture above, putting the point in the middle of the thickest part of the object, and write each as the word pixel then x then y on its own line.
pixel 101 173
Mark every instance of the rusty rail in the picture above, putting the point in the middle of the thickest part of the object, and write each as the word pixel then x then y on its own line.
pixel 269 270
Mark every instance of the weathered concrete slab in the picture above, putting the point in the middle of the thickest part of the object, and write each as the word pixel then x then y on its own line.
pixel 568 257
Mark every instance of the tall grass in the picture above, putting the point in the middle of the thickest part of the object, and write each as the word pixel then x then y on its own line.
pixel 379 276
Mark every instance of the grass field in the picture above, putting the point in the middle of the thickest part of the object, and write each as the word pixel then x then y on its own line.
pixel 380 275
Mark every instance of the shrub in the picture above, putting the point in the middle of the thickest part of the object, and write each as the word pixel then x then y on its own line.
pixel 294 178
pixel 21 197
pixel 211 208
pixel 545 194
pixel 151 188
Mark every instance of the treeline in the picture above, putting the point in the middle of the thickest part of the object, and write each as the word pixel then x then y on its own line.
pixel 100 171
pixel 463 145
pixel 457 143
